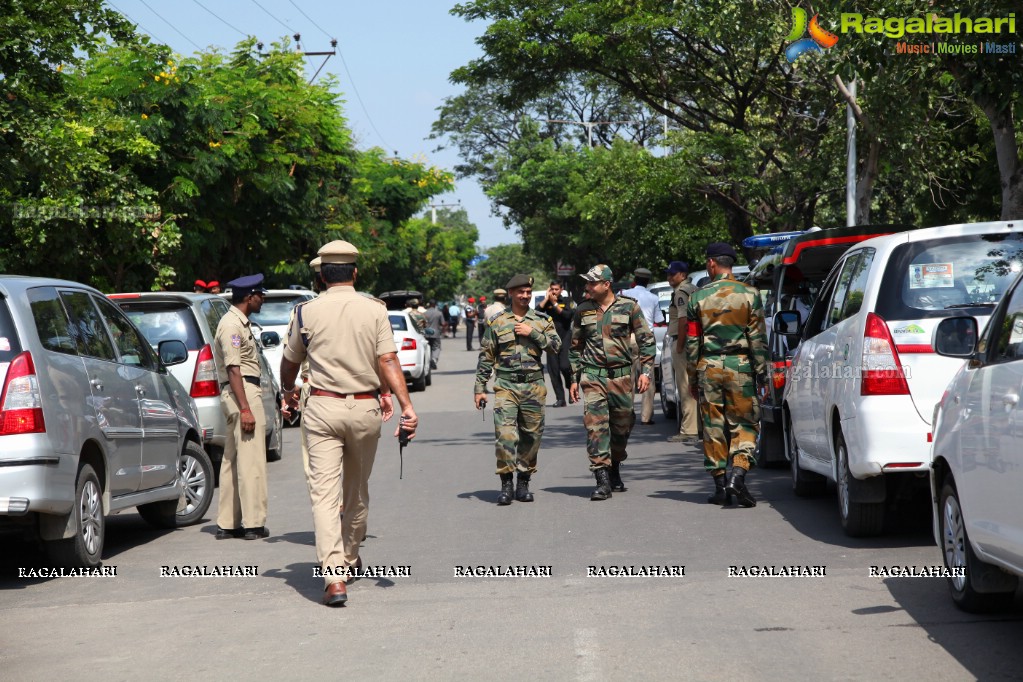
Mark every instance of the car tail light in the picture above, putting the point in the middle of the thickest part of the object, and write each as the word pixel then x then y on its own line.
pixel 903 465
pixel 408 344
pixel 204 380
pixel 882 371
pixel 21 402
pixel 778 374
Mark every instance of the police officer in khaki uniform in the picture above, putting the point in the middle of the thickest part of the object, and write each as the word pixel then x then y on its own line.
pixel 678 324
pixel 348 341
pixel 242 509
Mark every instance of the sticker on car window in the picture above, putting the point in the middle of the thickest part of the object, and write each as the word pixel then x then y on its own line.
pixel 931 275
pixel 5 343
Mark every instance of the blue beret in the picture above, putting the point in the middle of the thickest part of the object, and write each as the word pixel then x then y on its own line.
pixel 720 249
pixel 677 266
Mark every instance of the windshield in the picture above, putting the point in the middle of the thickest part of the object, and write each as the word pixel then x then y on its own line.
pixel 276 311
pixel 935 275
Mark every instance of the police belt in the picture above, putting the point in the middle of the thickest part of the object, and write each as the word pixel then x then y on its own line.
pixel 609 372
pixel 520 377
pixel 251 380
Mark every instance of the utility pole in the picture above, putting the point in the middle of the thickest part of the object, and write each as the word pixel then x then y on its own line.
pixel 434 207
pixel 298 49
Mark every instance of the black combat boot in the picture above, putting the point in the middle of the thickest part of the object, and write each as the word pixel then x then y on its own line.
pixel 522 493
pixel 507 489
pixel 720 496
pixel 737 486
pixel 603 491
pixel 616 478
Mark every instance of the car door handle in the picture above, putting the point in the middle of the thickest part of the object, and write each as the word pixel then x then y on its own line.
pixel 97 384
pixel 1010 398
pixel 140 390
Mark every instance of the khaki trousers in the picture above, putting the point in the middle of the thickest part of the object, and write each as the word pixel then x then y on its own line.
pixel 243 469
pixel 688 425
pixel 303 398
pixel 340 433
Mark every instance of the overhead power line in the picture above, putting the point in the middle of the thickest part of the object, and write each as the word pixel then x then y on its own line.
pixel 170 24
pixel 310 20
pixel 146 30
pixel 235 28
pixel 272 16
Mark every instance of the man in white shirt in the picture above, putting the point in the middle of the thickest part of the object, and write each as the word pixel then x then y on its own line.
pixel 649 304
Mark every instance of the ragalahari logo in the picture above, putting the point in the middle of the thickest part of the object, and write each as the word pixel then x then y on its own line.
pixel 818 41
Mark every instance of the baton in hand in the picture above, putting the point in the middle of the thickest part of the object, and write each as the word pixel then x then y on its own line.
pixel 402 442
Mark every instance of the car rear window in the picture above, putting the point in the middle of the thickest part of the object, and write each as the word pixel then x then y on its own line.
pixel 930 277
pixel 9 344
pixel 164 321
pixel 276 310
pixel 51 321
pixel 398 323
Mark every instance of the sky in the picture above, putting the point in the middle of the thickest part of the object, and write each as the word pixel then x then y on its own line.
pixel 398 54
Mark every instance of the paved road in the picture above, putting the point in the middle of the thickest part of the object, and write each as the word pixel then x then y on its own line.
pixel 434 625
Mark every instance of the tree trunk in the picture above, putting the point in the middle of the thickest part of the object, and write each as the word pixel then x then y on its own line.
pixel 1007 152
pixel 865 183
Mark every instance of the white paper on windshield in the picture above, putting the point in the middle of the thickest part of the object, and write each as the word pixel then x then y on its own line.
pixel 931 275
pixel 5 343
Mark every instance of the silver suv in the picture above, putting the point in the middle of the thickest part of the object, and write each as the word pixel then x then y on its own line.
pixel 91 421
pixel 193 319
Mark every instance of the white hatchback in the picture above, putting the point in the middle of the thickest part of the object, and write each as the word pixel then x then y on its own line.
pixel 976 474
pixel 414 352
pixel 863 383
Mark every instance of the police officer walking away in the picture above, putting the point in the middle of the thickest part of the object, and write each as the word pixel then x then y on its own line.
pixel 678 272
pixel 513 344
pixel 348 341
pixel 434 330
pixel 727 353
pixel 499 305
pixel 242 508
pixel 561 310
pixel 470 322
pixel 602 360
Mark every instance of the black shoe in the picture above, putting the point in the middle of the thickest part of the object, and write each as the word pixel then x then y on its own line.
pixel 721 496
pixel 737 486
pixel 648 422
pixel 522 493
pixel 507 489
pixel 558 403
pixel 603 491
pixel 229 533
pixel 256 533
pixel 616 478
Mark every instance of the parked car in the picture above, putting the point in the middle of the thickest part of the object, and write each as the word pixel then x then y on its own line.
pixel 193 319
pixel 700 278
pixel 789 277
pixel 976 473
pixel 861 389
pixel 414 353
pixel 274 316
pixel 91 421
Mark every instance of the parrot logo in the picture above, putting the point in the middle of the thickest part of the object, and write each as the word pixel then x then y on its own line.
pixel 818 41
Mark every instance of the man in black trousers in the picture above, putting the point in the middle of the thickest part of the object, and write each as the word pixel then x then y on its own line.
pixel 560 311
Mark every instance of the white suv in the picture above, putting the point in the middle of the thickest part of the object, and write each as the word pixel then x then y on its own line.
pixel 863 383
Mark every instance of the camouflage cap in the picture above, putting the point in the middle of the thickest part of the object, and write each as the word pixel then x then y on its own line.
pixel 519 281
pixel 598 273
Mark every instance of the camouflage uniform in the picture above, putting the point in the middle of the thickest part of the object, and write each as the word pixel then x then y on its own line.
pixel 601 359
pixel 519 390
pixel 418 320
pixel 726 349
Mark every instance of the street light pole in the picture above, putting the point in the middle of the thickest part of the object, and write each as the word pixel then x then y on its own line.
pixel 434 207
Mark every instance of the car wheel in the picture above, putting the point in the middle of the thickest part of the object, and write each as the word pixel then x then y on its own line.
pixel 958 554
pixel 667 407
pixel 275 439
pixel 85 548
pixel 420 383
pixel 859 519
pixel 429 376
pixel 195 472
pixel 804 483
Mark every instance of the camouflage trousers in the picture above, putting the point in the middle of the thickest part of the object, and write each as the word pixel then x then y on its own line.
pixel 518 424
pixel 607 416
pixel 730 412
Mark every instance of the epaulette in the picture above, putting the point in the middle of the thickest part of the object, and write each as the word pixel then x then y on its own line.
pixel 588 304
pixel 628 297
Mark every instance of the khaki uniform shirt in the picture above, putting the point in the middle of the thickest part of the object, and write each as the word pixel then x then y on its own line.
pixel 235 345
pixel 342 333
pixel 679 302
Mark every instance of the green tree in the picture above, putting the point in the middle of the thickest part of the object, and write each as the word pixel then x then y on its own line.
pixel 502 262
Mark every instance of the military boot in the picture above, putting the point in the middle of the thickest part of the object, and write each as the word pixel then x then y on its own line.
pixel 737 486
pixel 616 478
pixel 507 489
pixel 603 491
pixel 522 493
pixel 721 495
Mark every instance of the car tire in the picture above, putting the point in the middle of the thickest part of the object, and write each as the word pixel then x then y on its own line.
pixel 667 407
pixel 957 552
pixel 859 519
pixel 85 548
pixel 196 476
pixel 275 439
pixel 429 377
pixel 420 383
pixel 804 483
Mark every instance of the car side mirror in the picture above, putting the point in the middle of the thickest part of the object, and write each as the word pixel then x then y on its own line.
pixel 787 322
pixel 172 352
pixel 956 337
pixel 270 339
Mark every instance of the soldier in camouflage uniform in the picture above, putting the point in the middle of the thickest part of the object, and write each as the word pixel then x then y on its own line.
pixel 727 352
pixel 601 359
pixel 418 318
pixel 513 344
